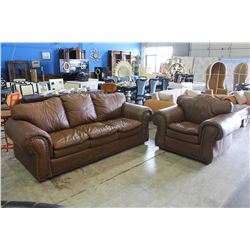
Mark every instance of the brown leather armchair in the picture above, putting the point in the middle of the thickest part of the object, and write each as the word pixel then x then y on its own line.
pixel 198 127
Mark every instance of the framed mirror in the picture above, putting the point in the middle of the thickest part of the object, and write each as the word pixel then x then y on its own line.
pixel 123 68
pixel 18 70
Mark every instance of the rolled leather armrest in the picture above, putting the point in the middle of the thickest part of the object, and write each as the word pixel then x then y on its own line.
pixel 225 124
pixel 136 112
pixel 169 115
pixel 22 133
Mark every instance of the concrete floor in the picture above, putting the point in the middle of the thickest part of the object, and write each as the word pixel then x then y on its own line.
pixel 143 176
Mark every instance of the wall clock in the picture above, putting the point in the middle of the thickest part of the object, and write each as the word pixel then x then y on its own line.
pixel 95 55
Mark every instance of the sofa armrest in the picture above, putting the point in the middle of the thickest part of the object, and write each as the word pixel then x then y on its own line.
pixel 225 124
pixel 24 134
pixel 136 112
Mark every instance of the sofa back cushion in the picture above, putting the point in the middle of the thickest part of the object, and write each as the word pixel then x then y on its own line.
pixel 48 115
pixel 202 107
pixel 79 109
pixel 108 106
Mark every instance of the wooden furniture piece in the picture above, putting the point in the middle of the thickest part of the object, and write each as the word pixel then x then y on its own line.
pixel 108 88
pixel 72 53
pixel 216 74
pixel 12 100
pixel 18 70
pixel 240 74
pixel 117 56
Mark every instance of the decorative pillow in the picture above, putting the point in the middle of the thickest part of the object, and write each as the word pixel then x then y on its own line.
pixel 232 99
pixel 165 97
pixel 247 94
pixel 240 97
pixel 190 92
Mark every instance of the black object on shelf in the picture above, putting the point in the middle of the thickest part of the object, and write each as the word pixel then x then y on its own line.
pixel 101 73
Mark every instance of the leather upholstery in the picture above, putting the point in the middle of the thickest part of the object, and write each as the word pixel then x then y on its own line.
pixel 79 109
pixel 48 115
pixel 22 132
pixel 198 127
pixel 185 127
pixel 108 106
pixel 183 136
pixel 71 149
pixel 123 124
pixel 68 137
pixel 47 146
pixel 98 129
pixel 202 107
pixel 103 140
pixel 131 132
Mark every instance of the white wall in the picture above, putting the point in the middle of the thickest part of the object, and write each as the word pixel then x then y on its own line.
pixel 220 49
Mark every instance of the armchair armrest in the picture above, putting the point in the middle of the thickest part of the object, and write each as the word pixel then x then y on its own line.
pixel 136 112
pixel 22 133
pixel 163 117
pixel 169 115
pixel 225 124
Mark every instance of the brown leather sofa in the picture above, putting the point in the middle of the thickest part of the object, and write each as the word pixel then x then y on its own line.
pixel 62 133
pixel 198 127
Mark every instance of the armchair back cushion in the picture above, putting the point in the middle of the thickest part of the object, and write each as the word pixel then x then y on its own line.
pixel 48 115
pixel 108 106
pixel 202 107
pixel 79 109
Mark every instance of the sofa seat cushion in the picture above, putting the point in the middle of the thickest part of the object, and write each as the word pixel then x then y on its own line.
pixel 98 129
pixel 183 137
pixel 126 134
pixel 79 109
pixel 103 140
pixel 71 149
pixel 123 124
pixel 189 128
pixel 68 137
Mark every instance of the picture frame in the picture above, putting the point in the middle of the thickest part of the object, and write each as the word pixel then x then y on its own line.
pixel 46 55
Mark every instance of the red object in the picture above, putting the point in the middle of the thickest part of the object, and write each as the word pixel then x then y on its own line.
pixel 12 100
pixel 108 87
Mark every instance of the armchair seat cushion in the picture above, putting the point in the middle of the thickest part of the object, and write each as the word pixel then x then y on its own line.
pixel 123 124
pixel 185 127
pixel 182 136
pixel 98 129
pixel 68 137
